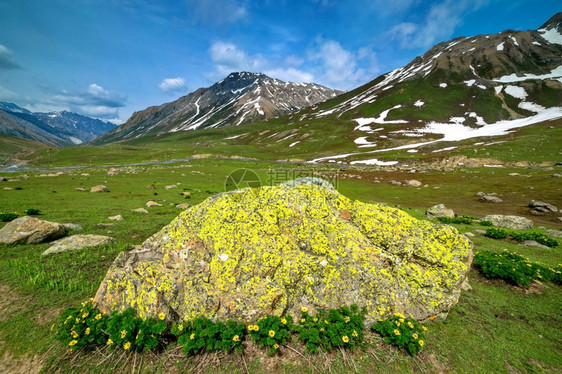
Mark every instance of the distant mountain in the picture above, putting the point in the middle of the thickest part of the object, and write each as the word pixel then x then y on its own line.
pixel 55 128
pixel 239 98
pixel 460 92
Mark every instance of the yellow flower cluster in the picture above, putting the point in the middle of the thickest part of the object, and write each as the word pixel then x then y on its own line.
pixel 271 333
pixel 253 328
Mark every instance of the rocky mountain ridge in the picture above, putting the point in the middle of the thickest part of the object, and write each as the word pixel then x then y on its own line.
pixel 238 99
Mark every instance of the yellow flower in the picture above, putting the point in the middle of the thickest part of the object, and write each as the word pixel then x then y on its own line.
pixel 87 332
pixel 397 323
pixel 73 334
pixel 275 346
pixel 421 343
pixel 326 322
pixel 401 320
pixel 345 339
pixel 415 336
pixel 283 321
pixel 123 334
pixel 398 315
pixel 380 319
pixel 161 316
pixel 98 316
pixel 72 342
pixel 271 333
pixel 236 338
pixel 91 299
pixel 424 328
pixel 410 324
pixel 127 345
pixel 180 327
pixel 303 320
pixel 396 332
pixel 77 320
pixel 192 336
pixel 304 310
pixel 109 341
pixel 315 319
pixel 347 319
pixel 138 334
pixel 354 334
pixel 256 328
pixel 85 315
pixel 52 326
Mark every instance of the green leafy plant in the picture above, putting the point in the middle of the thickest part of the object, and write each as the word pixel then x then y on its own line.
pixel 513 268
pixel 486 223
pixel 7 217
pixel 202 334
pixel 496 233
pixel 18 188
pixel 271 332
pixel 457 220
pixel 536 236
pixel 402 332
pixel 341 327
pixel 33 212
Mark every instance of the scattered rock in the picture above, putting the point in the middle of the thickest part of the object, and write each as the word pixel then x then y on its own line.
pixel 8 188
pixel 509 222
pixel 170 187
pixel 150 187
pixel 556 175
pixel 112 172
pixel 105 224
pixel 85 174
pixel 186 193
pixel 440 210
pixel 118 217
pixel 31 230
pixel 465 286
pixel 413 183
pixel 395 183
pixel 183 206
pixel 72 227
pixel 513 174
pixel 75 242
pixel 81 189
pixel 532 243
pixel 202 263
pixel 478 231
pixel 491 199
pixel 469 234
pixel 2 179
pixel 152 203
pixel 555 233
pixel 140 210
pixel 542 207
pixel 99 188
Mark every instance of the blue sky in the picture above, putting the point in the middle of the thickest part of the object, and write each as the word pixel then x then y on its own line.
pixel 109 58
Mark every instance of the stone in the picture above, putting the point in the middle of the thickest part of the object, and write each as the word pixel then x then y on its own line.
pixel 509 222
pixel 469 234
pixel 150 187
pixel 112 172
pixel 186 193
pixel 183 206
pixel 542 207
pixel 118 217
pixel 555 233
pixel 85 174
pixel 556 175
pixel 76 242
pixel 413 183
pixel 81 189
pixel 140 210
pixel 491 199
pixel 152 203
pixel 440 210
pixel 31 230
pixel 2 179
pixel 99 188
pixel 532 243
pixel 395 183
pixel 72 227
pixel 481 232
pixel 272 250
pixel 8 188
pixel 170 187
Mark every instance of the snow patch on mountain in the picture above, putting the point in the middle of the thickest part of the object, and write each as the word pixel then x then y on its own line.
pixel 381 119
pixel 552 35
pixel 419 103
pixel 554 74
pixel 516 91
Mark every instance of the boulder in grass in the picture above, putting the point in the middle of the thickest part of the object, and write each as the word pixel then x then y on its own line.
pixel 99 188
pixel 31 230
pixel 540 206
pixel 152 203
pixel 509 222
pixel 440 210
pixel 140 210
pixel 76 242
pixel 118 217
pixel 272 250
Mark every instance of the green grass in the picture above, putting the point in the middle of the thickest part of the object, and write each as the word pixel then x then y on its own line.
pixel 494 327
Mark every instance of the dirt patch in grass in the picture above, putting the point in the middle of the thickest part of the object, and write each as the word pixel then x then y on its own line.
pixel 10 302
pixel 20 365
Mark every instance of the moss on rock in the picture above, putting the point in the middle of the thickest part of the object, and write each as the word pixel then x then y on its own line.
pixel 273 250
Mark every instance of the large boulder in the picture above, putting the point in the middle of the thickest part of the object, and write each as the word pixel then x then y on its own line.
pixel 440 210
pixel 509 222
pixel 540 206
pixel 31 230
pixel 76 242
pixel 248 253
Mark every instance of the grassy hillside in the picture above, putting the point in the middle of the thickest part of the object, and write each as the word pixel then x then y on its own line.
pixel 494 328
pixel 11 146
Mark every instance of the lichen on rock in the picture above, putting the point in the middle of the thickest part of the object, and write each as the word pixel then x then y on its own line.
pixel 275 249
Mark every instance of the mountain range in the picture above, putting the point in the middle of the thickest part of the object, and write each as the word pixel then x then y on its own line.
pixel 238 99
pixel 55 128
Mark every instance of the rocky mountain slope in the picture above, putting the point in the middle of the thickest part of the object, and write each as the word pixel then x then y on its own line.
pixel 54 128
pixel 460 92
pixel 239 98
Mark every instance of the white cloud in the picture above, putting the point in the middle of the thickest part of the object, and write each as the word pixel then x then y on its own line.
pixel 439 24
pixel 95 101
pixel 172 85
pixel 7 60
pixel 227 58
pixel 7 95
pixel 290 75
